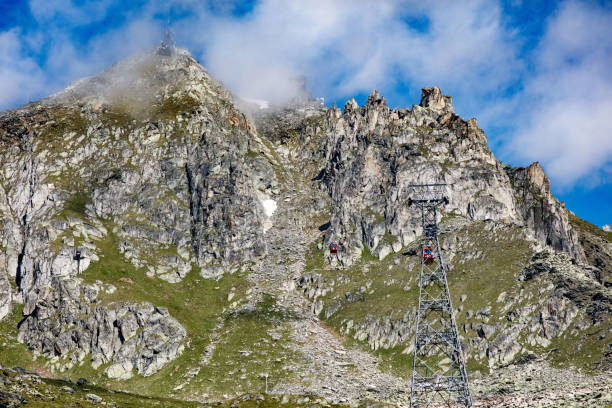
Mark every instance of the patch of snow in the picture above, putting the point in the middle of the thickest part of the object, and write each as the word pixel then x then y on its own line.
pixel 269 207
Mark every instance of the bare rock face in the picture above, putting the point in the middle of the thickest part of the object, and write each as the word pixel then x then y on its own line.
pixel 69 323
pixel 374 153
pixel 145 162
pixel 542 212
pixel 5 292
pixel 150 169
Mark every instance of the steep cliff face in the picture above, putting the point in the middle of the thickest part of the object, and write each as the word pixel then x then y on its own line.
pixel 155 231
pixel 545 216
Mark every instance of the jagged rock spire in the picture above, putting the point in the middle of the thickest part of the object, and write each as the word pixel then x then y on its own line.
pixel 433 98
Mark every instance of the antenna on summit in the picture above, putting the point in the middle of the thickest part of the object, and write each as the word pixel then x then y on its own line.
pixel 167 46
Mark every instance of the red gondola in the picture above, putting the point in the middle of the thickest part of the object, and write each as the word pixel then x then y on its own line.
pixel 333 248
pixel 428 254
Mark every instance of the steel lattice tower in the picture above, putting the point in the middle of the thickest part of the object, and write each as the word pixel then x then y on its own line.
pixel 439 377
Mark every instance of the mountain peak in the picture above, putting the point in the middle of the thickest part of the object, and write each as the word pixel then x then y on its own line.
pixel 138 238
pixel 142 86
pixel 139 75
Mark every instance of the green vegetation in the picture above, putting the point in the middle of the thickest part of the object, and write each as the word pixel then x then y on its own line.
pixel 368 212
pixel 75 205
pixel 367 255
pixel 251 344
pixel 63 120
pixel 496 260
pixel 581 348
pixel 171 107
pixel 118 116
pixel 195 302
pixel 51 393
pixel 126 110
pixel 252 155
pixel 248 344
pixel 487 263
pixel 376 289
pixel 590 228
pixel 315 259
pixel 388 238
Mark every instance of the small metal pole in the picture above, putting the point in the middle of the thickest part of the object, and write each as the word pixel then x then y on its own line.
pixel 77 257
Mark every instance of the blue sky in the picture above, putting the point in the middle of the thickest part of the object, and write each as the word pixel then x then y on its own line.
pixel 536 75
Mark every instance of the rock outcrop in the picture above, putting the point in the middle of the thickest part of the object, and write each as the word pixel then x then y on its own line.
pixel 6 295
pixel 432 98
pixel 71 324
pixel 545 216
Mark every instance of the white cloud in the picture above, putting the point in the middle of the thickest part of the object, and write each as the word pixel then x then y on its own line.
pixel 21 77
pixel 70 62
pixel 69 13
pixel 343 47
pixel 565 117
pixel 347 47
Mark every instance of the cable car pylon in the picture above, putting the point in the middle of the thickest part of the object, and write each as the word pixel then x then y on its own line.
pixel 439 377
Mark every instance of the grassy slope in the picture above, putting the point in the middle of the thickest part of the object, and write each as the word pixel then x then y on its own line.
pixel 199 304
pixel 589 343
pixel 50 393
pixel 486 265
pixel 504 260
pixel 252 343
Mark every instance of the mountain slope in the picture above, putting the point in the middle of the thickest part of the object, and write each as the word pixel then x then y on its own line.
pixel 157 238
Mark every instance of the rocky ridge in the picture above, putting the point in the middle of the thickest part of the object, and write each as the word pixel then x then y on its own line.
pixel 374 153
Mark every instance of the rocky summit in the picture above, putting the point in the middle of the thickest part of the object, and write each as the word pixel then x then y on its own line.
pixel 162 237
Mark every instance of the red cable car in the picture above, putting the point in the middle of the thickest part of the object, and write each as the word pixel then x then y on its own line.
pixel 428 254
pixel 333 248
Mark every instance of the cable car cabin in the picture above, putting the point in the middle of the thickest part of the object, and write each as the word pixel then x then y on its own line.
pixel 428 255
pixel 333 248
